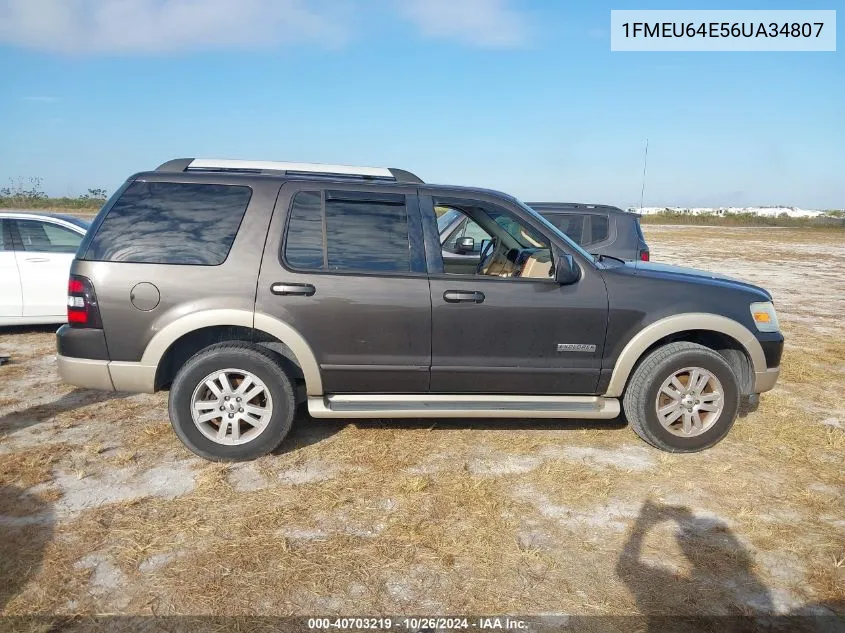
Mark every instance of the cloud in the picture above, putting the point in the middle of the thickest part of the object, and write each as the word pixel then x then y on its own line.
pixel 164 26
pixel 167 26
pixel 486 23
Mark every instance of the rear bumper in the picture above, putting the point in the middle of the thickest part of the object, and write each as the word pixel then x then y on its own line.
pixel 85 372
pixel 105 375
pixel 765 380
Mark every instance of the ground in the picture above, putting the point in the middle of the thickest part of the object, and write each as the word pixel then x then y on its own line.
pixel 103 511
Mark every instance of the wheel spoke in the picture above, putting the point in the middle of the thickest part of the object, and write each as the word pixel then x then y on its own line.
pixel 250 395
pixel 697 423
pixel 212 386
pixel 672 393
pixel 205 405
pixel 669 413
pixel 677 384
pixel 224 382
pixel 236 429
pixel 707 406
pixel 245 384
pixel 208 417
pixel 224 428
pixel 259 412
pixel 687 422
pixel 713 397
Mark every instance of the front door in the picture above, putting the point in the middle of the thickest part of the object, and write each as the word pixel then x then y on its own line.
pixel 509 327
pixel 44 265
pixel 345 266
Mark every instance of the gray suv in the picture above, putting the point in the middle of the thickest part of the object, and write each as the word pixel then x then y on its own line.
pixel 248 287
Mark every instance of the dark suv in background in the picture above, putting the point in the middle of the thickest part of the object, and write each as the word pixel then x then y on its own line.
pixel 600 229
pixel 247 287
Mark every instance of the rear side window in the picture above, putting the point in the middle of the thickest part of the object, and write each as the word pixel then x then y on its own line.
pixel 304 248
pixel 171 223
pixel 348 232
pixel 599 229
pixel 570 224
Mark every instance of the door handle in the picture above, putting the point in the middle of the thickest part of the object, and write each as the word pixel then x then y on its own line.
pixel 37 259
pixel 305 290
pixel 463 296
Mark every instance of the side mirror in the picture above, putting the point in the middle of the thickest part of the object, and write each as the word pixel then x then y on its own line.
pixel 566 270
pixel 465 245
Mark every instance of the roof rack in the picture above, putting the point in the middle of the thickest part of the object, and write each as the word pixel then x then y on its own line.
pixel 280 168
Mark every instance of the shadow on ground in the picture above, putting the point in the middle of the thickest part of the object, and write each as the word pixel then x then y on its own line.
pixel 307 430
pixel 26 527
pixel 23 418
pixel 720 581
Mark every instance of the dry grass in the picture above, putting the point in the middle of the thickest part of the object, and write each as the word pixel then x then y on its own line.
pixel 445 517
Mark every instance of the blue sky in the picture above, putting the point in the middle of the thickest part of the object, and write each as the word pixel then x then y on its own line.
pixel 517 95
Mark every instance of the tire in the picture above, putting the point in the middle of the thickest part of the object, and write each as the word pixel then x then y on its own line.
pixel 641 402
pixel 270 413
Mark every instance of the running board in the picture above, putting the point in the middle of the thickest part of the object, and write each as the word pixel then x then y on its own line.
pixel 462 406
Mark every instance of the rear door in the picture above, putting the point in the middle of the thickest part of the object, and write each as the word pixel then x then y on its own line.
pixel 344 265
pixel 46 250
pixel 11 301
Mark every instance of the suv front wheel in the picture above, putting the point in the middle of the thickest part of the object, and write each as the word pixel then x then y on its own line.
pixel 232 402
pixel 682 398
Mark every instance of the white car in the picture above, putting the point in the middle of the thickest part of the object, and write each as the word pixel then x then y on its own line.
pixel 36 250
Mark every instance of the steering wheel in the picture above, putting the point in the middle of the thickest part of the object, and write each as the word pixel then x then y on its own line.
pixel 486 256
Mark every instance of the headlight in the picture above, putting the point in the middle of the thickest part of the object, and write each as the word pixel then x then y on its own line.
pixel 764 316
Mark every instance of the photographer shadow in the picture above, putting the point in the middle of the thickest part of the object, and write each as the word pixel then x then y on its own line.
pixel 720 591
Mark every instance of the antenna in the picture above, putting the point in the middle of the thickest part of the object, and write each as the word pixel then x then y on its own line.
pixel 645 163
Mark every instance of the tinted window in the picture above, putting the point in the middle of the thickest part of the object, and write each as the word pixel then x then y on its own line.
pixel 599 229
pixel 571 225
pixel 367 234
pixel 171 223
pixel 5 236
pixel 304 244
pixel 44 237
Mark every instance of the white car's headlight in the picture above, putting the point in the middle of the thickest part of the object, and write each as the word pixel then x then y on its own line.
pixel 764 316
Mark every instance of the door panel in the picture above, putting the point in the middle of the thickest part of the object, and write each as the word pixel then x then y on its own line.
pixel 507 343
pixel 11 302
pixel 44 265
pixel 500 332
pixel 370 329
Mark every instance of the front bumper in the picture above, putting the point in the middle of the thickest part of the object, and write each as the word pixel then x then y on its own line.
pixel 765 380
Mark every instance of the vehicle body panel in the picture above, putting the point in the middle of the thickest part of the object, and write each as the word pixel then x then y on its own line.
pixel 509 342
pixel 182 289
pixel 370 332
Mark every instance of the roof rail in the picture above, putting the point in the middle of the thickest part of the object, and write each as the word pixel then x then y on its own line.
pixel 277 168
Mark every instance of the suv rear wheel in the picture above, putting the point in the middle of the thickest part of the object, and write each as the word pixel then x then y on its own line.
pixel 232 402
pixel 682 398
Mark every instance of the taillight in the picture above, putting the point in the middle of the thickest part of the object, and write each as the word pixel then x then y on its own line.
pixel 82 308
pixel 644 255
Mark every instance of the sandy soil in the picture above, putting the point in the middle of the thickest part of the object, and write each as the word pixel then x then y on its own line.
pixel 103 511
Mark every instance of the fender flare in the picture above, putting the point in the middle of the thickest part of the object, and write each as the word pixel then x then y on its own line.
pixel 662 328
pixel 288 335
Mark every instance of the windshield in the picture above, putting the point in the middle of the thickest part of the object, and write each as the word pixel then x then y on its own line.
pixel 446 219
pixel 558 232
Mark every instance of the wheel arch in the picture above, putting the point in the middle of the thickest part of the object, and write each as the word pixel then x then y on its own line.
pixel 177 341
pixel 709 329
